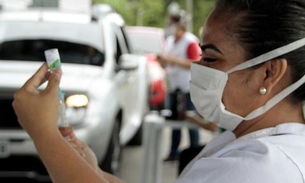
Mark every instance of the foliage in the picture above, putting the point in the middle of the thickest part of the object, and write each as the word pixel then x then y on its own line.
pixel 153 12
pixel 201 12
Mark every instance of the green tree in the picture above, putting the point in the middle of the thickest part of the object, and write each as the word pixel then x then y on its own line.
pixel 201 12
pixel 139 12
pixel 153 12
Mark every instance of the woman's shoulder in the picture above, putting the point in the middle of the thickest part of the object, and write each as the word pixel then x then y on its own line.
pixel 284 143
pixel 249 160
pixel 190 37
pixel 278 153
pixel 282 138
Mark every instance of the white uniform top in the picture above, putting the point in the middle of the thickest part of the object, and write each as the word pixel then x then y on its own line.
pixel 273 155
pixel 179 77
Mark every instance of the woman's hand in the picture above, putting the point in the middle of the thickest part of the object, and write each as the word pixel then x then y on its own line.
pixel 167 59
pixel 83 149
pixel 196 119
pixel 38 111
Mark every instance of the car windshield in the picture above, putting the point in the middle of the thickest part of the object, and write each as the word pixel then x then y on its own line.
pixel 144 42
pixel 80 43
pixel 33 50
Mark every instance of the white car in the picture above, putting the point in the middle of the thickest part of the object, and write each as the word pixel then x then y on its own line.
pixel 106 87
pixel 150 42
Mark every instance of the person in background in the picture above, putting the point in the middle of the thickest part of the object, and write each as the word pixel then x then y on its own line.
pixel 181 50
pixel 170 20
pixel 250 81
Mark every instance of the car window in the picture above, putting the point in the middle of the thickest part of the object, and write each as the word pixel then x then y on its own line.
pixel 81 33
pixel 127 41
pixel 121 40
pixel 143 43
pixel 33 50
pixel 118 50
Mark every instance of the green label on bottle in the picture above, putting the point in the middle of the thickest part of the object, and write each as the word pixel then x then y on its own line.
pixel 55 64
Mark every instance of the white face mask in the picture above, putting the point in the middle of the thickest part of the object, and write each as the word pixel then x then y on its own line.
pixel 171 30
pixel 207 86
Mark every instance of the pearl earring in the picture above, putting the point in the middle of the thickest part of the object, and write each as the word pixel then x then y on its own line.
pixel 263 90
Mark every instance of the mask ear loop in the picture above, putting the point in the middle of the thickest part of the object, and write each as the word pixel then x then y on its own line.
pixel 269 55
pixel 276 99
pixel 263 58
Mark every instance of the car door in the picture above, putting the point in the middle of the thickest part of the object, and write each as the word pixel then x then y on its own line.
pixel 134 91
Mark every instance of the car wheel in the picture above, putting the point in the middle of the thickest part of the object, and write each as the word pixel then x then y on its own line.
pixel 111 162
pixel 137 138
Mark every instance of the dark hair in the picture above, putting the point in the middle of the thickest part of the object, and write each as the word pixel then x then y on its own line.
pixel 178 20
pixel 263 25
pixel 174 18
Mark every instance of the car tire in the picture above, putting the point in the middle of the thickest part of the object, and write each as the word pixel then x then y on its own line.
pixel 137 138
pixel 112 160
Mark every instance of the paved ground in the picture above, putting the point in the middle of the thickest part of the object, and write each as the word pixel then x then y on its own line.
pixel 133 158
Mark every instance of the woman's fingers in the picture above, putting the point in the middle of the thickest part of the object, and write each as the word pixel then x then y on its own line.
pixel 37 79
pixel 67 132
pixel 41 76
pixel 78 145
pixel 54 81
pixel 82 148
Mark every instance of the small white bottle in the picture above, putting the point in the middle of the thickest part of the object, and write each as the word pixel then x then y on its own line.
pixel 62 121
pixel 53 61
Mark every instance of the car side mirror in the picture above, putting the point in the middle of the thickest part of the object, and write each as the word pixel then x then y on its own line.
pixel 128 62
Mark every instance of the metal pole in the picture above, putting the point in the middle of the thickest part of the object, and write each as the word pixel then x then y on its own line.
pixel 140 14
pixel 189 11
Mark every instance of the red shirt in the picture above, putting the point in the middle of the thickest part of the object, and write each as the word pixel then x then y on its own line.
pixel 193 51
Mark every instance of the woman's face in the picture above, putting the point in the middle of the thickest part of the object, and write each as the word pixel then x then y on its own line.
pixel 221 51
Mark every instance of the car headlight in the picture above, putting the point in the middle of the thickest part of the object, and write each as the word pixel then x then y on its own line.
pixel 76 106
pixel 77 101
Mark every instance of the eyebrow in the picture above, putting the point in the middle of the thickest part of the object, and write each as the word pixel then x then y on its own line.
pixel 209 46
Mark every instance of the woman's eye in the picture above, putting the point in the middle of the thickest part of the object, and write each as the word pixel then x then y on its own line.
pixel 205 58
pixel 208 59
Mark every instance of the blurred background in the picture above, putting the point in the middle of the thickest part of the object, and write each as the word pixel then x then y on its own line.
pixel 153 13
pixel 113 81
pixel 135 12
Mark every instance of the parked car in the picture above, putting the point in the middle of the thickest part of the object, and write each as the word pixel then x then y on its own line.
pixel 106 86
pixel 149 41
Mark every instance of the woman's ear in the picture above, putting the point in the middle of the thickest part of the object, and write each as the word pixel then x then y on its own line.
pixel 274 72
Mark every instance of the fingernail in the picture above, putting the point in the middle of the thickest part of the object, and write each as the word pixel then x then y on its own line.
pixel 58 72
pixel 68 138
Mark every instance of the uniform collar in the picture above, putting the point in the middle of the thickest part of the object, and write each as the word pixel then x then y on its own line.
pixel 285 128
pixel 290 128
pixel 229 137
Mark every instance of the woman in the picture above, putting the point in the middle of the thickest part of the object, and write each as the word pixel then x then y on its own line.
pixel 250 81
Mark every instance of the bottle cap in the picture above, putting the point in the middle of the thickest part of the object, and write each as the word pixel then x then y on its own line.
pixel 52 58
